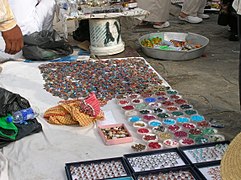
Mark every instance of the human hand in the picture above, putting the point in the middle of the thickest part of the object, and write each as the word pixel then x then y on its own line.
pixel 13 39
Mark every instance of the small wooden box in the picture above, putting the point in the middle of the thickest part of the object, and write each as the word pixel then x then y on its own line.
pixel 114 134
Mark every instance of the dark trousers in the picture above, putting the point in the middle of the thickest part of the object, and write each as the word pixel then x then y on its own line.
pixel 233 23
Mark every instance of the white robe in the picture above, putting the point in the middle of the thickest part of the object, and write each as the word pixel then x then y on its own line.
pixel 237 6
pixel 30 18
pixel 159 9
pixel 194 7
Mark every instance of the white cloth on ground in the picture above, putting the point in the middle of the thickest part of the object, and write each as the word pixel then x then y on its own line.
pixel 42 156
pixel 3 167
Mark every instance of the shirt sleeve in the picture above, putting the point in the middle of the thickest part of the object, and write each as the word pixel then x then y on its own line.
pixel 7 20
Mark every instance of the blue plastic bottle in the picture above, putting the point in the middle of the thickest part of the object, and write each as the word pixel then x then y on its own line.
pixel 22 116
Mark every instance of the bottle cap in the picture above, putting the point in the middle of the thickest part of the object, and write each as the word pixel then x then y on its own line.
pixel 9 119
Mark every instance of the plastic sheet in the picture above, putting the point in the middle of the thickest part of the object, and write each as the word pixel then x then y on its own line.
pixel 45 45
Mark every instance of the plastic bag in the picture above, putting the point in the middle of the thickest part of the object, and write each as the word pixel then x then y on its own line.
pixel 9 103
pixel 45 45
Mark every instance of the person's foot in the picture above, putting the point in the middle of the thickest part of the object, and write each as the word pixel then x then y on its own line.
pixel 191 19
pixel 161 25
pixel 203 16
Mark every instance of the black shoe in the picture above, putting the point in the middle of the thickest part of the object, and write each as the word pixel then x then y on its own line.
pixel 233 37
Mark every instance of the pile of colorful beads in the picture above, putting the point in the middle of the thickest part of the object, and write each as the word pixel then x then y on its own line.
pixel 115 132
pixel 138 147
pixel 106 78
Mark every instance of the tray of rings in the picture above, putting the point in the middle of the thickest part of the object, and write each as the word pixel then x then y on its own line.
pixel 210 152
pixel 110 168
pixel 155 160
pixel 186 172
pixel 208 171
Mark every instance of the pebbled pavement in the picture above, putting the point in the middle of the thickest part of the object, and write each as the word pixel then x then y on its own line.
pixel 210 82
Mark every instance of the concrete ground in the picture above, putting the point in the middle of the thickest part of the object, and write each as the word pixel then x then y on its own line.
pixel 210 82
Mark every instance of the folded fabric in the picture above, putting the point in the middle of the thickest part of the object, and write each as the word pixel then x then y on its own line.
pixel 83 112
pixel 90 105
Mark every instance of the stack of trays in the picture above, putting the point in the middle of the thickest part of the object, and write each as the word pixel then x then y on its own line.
pixel 196 162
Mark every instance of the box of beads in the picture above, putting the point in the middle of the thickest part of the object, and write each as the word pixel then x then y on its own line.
pixel 111 168
pixel 204 153
pixel 185 172
pixel 209 171
pixel 115 134
pixel 155 160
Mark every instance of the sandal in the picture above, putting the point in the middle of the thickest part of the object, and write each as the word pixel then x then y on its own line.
pixel 160 26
